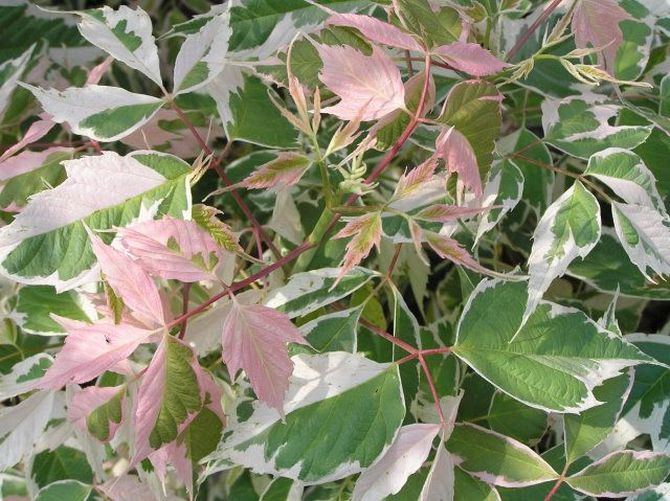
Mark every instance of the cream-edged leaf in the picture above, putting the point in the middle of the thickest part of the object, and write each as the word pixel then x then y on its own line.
pixel 126 34
pixel 47 242
pixel 97 111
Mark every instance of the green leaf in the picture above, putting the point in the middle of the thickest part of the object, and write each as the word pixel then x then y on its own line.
pixel 334 331
pixel 621 474
pixel 202 434
pixel 254 21
pixel 514 419
pixel 608 268
pixel 282 489
pixel 553 362
pixel 526 150
pixel 56 251
pixel 65 490
pixel 433 27
pixel 35 304
pixel 473 108
pixel 467 487
pixel 497 459
pixel 633 53
pixel 241 99
pixel 580 127
pixel 98 421
pixel 61 464
pixel 349 415
pixel 308 291
pixel 586 430
pixel 180 392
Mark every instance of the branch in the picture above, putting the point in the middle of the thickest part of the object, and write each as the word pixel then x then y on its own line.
pixel 531 29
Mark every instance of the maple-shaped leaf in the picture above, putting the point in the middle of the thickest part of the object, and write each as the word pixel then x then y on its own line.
pixel 471 58
pixel 90 350
pixel 369 86
pixel 130 282
pixel 169 393
pixel 254 339
pixel 172 249
pixel 455 149
pixel 283 171
pixel 376 30
pixel 410 182
pixel 98 410
pixel 366 231
pixel 595 23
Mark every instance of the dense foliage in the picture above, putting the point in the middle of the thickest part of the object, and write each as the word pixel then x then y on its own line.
pixel 335 249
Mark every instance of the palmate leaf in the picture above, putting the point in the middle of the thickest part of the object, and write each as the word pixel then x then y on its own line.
pixel 553 362
pixel 344 443
pixel 100 192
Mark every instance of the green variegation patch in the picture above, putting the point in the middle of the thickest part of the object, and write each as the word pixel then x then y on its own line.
pixel 343 443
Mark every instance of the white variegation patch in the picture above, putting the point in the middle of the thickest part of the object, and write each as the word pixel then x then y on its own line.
pixel 440 480
pixel 628 176
pixel 21 426
pixel 315 378
pixel 645 236
pixel 503 188
pixel 554 243
pixel 21 379
pixel 202 55
pixel 304 286
pixel 126 34
pixel 10 71
pixel 87 109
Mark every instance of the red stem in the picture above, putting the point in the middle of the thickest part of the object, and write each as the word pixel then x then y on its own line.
pixel 433 390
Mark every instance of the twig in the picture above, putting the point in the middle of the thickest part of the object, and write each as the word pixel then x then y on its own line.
pixel 531 29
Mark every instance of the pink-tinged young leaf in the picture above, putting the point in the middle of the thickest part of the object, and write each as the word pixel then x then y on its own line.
pixel 595 23
pixel 126 488
pixel 90 350
pixel 169 394
pixel 97 410
pixel 471 58
pixel 98 71
pixel 412 180
pixel 443 213
pixel 172 249
pixel 405 456
pixel 454 148
pixel 130 282
pixel 254 339
pixel 451 249
pixel 175 455
pixel 28 161
pixel 36 131
pixel 417 239
pixel 376 31
pixel 369 86
pixel 366 231
pixel 283 171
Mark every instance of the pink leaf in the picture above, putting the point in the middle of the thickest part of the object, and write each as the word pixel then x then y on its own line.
pixel 451 249
pixel 37 130
pixel 455 149
pixel 88 400
pixel 90 350
pixel 376 31
pixel 175 455
pixel 411 181
pixel 369 86
pixel 98 71
pixel 283 171
pixel 130 282
pixel 442 213
pixel 126 488
pixel 366 231
pixel 471 58
pixel 27 161
pixel 406 455
pixel 172 249
pixel 254 339
pixel 596 23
